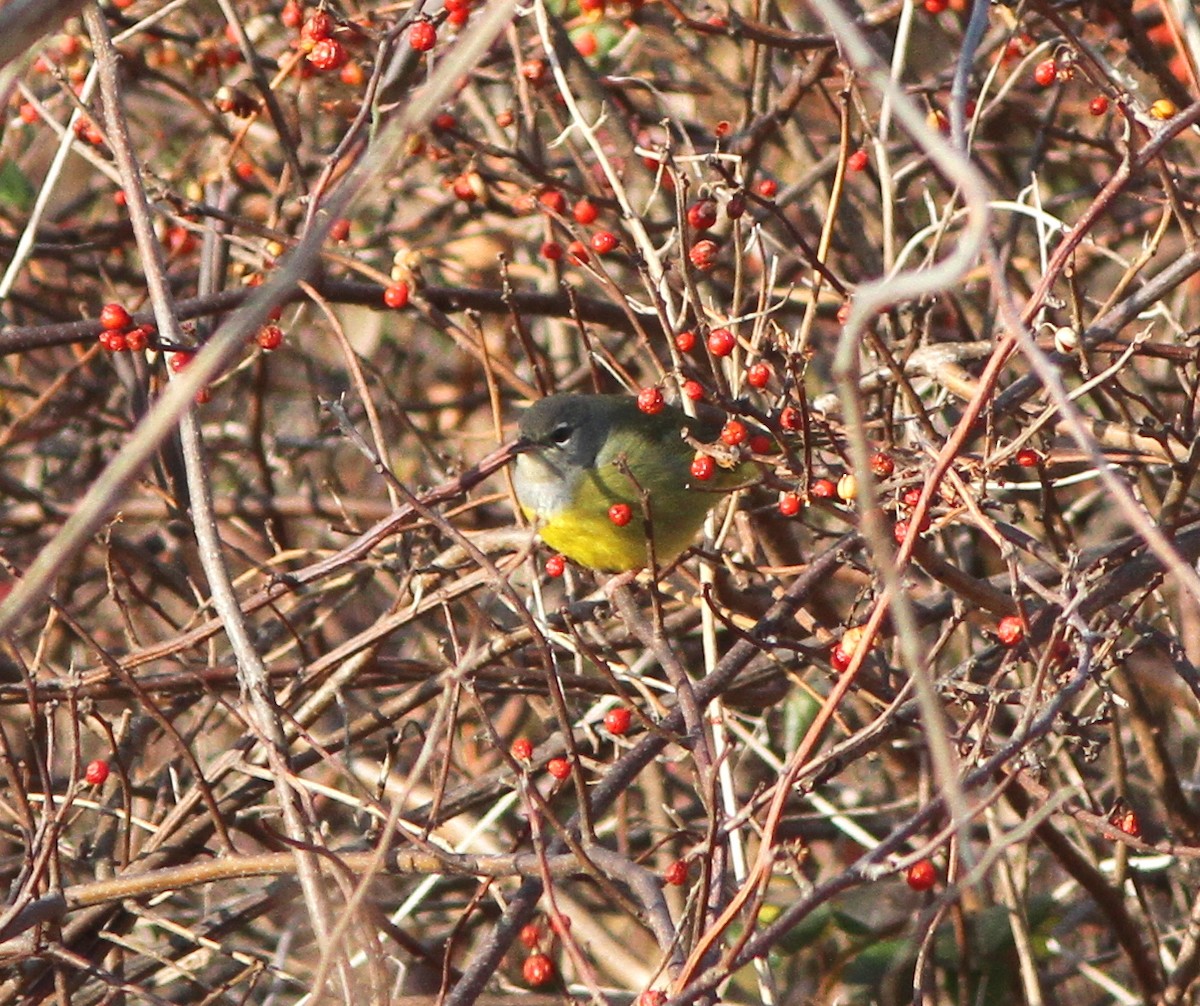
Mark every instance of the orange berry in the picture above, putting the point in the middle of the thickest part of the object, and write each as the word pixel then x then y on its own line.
pixel 1011 630
pixel 734 433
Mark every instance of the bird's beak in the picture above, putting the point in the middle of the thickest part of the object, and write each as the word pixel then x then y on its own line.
pixel 522 445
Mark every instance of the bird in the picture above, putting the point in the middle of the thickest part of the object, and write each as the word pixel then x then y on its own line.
pixel 587 462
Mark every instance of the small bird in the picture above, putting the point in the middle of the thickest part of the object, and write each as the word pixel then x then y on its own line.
pixel 585 462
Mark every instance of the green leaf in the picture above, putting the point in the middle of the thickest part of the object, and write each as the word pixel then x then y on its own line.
pixel 16 192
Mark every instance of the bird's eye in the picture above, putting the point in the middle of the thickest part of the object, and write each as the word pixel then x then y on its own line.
pixel 560 434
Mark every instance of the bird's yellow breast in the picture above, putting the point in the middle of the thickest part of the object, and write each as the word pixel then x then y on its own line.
pixel 584 533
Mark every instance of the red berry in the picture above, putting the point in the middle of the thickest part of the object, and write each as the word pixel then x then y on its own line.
pixel 467 187
pixel 676 873
pixel 685 341
pixel 1045 73
pixel 703 467
pixel 703 255
pixel 585 212
pixel 531 935
pixel 340 230
pixel 444 121
pixel 556 565
pixel 552 251
pixel 577 252
pixel 900 531
pixel 422 36
pixel 839 659
pixel 789 504
pixel 554 200
pixel 114 342
pixel 721 342
pixel 328 54
pixel 396 295
pixel 180 359
pixel 96 772
pixel 28 113
pixel 734 432
pixel 538 969
pixel 911 496
pixel 790 419
pixel 620 514
pixel 767 188
pixel 760 443
pixel 652 997
pixel 592 5
pixel 758 374
pixel 1126 820
pixel 822 489
pixel 269 337
pixel 735 207
pixel 114 317
pixel 522 749
pixel 292 15
pixel 617 720
pixel 586 44
pixel 459 17
pixel 137 339
pixel 694 390
pixel 1027 457
pixel 935 6
pixel 319 26
pixel 1011 630
pixel 650 401
pixel 702 215
pixel 534 71
pixel 1098 105
pixel 921 876
pixel 1017 47
pixel 882 464
pixel 560 768
pixel 603 242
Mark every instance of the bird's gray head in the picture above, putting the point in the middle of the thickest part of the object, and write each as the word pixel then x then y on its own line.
pixel 561 438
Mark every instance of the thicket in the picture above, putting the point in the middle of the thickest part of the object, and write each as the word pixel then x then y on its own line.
pixel 291 709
